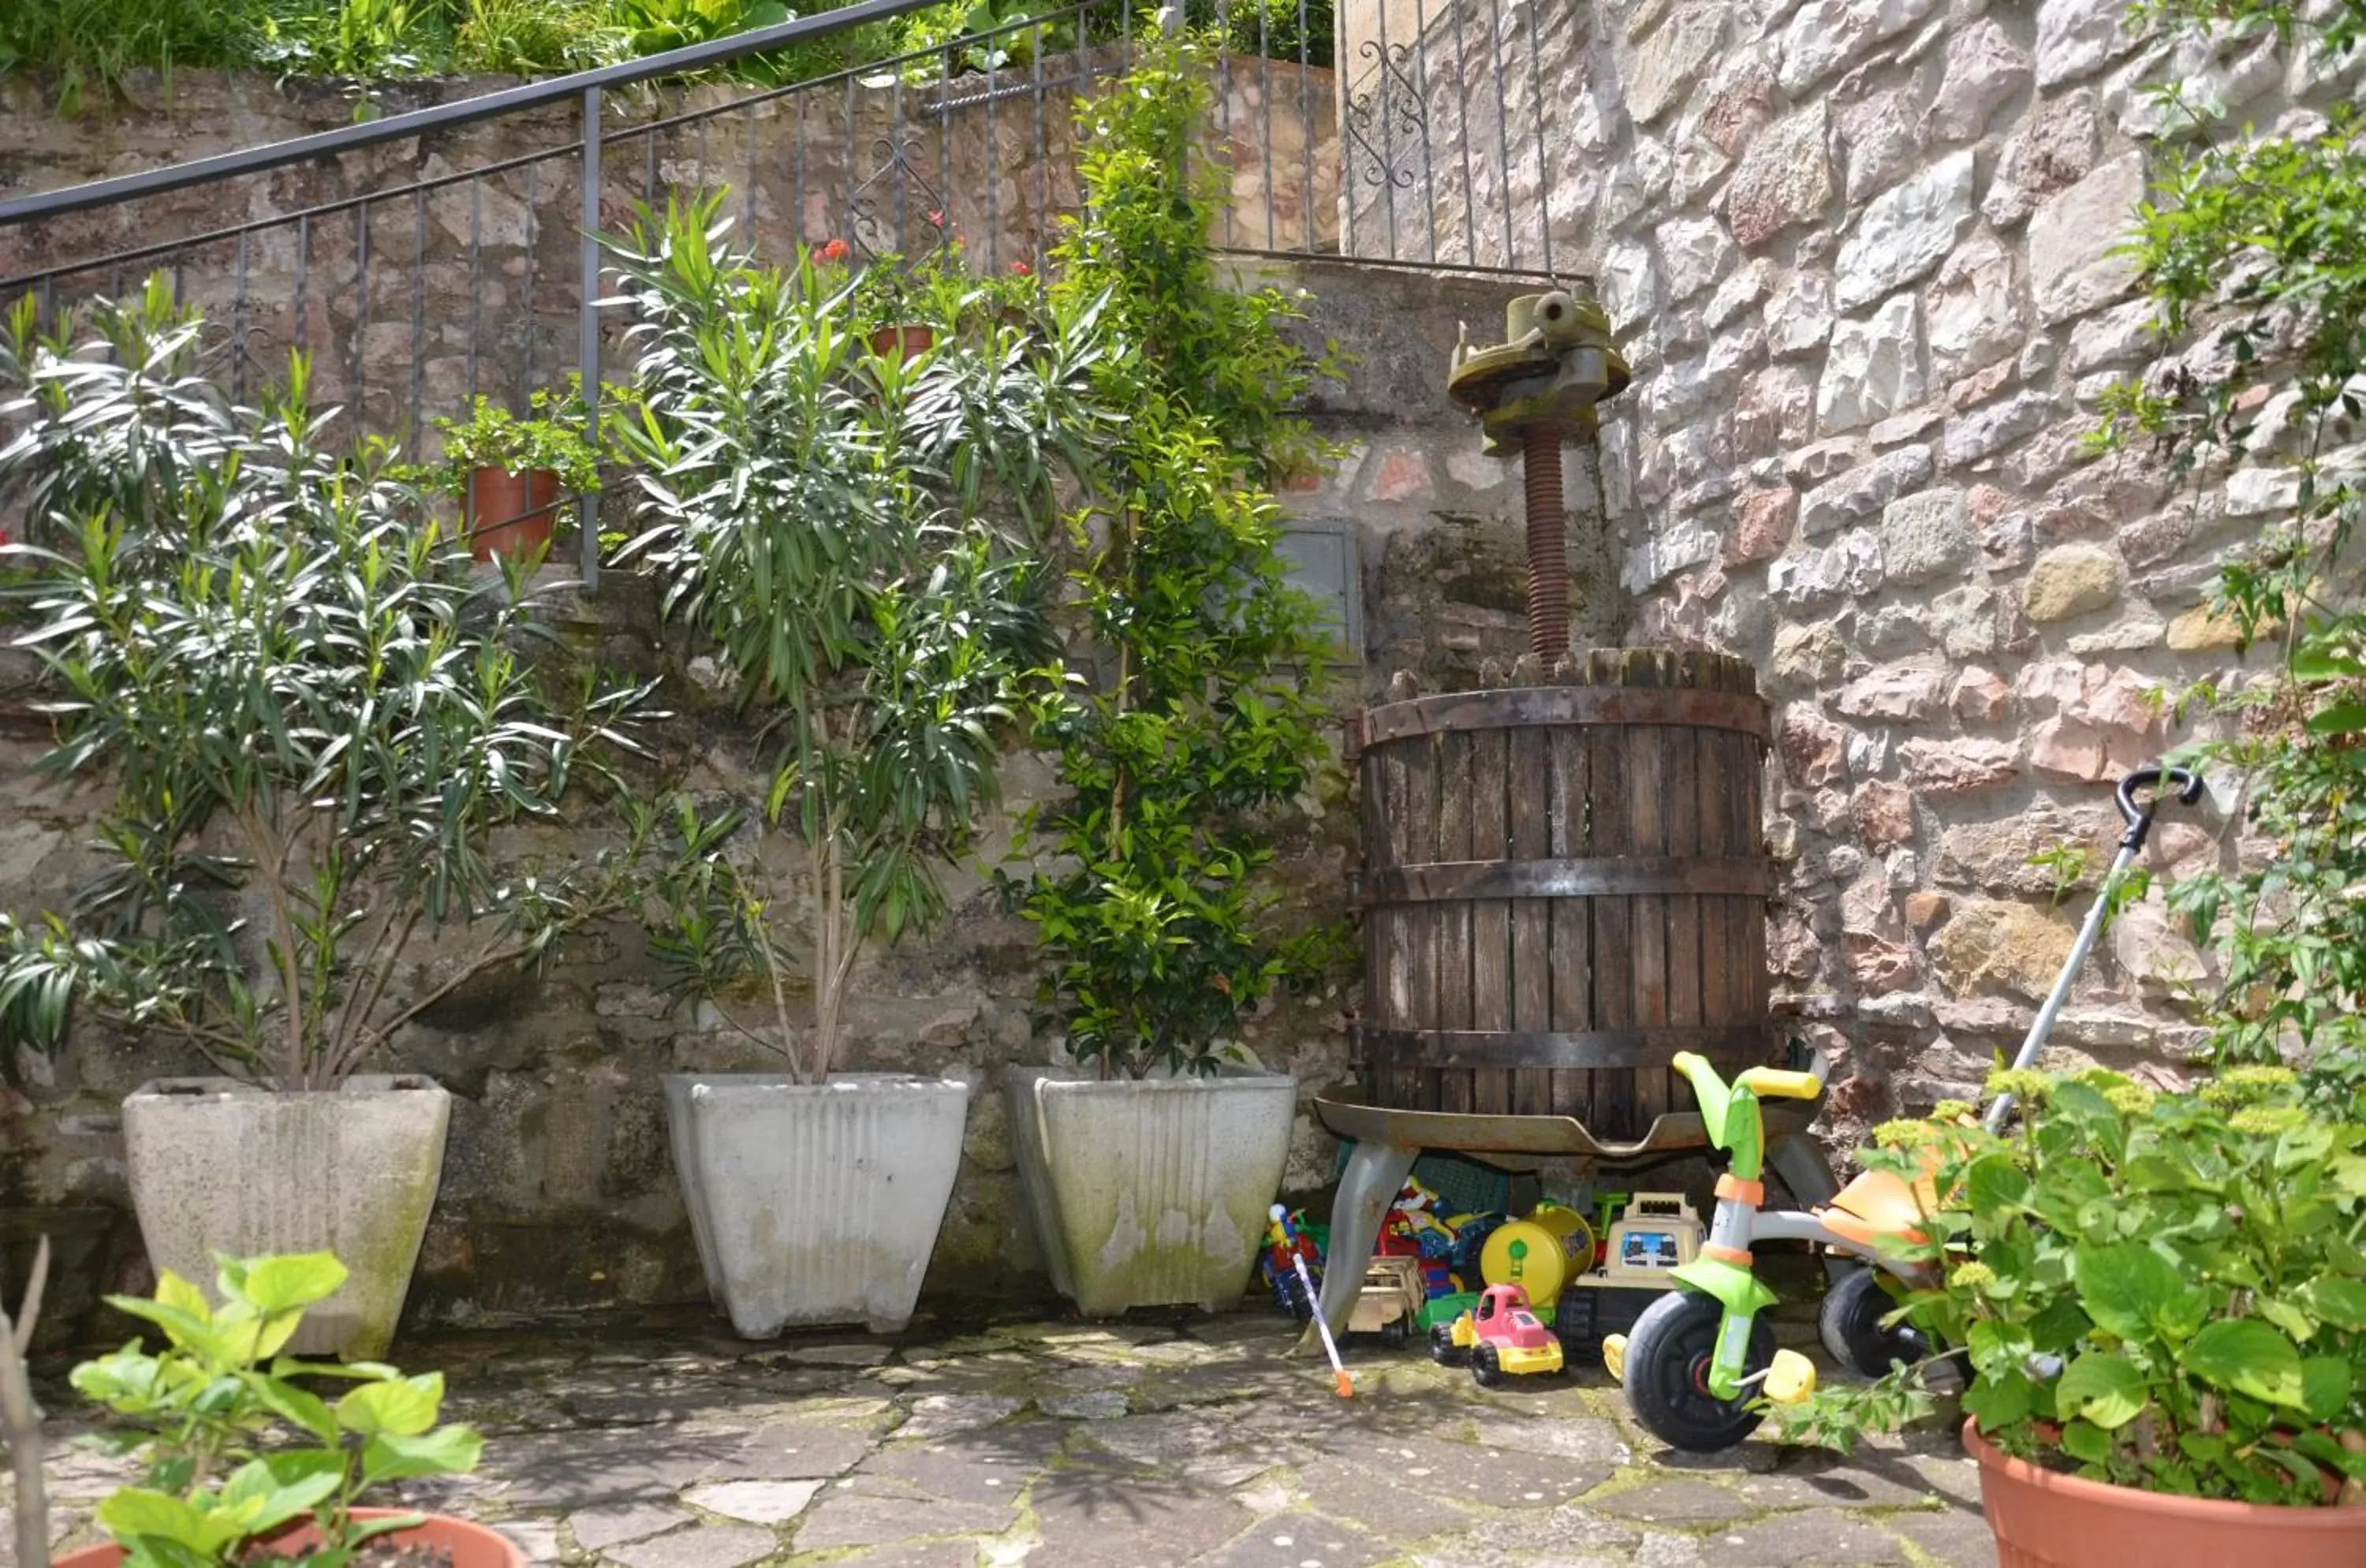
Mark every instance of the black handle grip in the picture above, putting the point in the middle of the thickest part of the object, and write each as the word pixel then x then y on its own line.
pixel 2185 782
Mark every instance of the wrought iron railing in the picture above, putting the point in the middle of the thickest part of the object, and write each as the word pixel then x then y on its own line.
pixel 432 284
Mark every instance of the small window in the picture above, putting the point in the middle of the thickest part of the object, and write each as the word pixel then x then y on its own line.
pixel 1321 559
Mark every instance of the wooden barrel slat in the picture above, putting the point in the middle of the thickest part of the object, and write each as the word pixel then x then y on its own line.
pixel 1563 886
pixel 1636 875
pixel 1594 1050
pixel 1520 707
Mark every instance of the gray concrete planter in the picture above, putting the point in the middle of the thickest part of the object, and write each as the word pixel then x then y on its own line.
pixel 222 1166
pixel 816 1203
pixel 1149 1193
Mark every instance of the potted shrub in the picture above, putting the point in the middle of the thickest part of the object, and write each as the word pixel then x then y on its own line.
pixel 314 729
pixel 2162 1300
pixel 857 557
pixel 1149 1168
pixel 242 1461
pixel 511 473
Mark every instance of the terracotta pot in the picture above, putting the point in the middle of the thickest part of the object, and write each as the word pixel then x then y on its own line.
pixel 2046 1520
pixel 470 1545
pixel 906 342
pixel 507 513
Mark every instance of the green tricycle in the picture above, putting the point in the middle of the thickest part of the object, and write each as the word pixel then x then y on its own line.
pixel 1700 1361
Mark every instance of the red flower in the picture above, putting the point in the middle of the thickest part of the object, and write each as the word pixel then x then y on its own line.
pixel 836 251
pixel 1022 269
pixel 935 218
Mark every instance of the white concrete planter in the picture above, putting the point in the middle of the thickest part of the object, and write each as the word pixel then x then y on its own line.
pixel 1149 1193
pixel 816 1203
pixel 222 1166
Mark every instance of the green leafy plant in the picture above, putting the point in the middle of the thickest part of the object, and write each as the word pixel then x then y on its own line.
pixel 306 712
pixel 2255 255
pixel 362 39
pixel 2159 1291
pixel 1207 721
pixel 550 436
pixel 235 1448
pixel 536 38
pixel 854 538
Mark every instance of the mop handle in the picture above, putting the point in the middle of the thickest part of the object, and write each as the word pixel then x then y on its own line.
pixel 2187 784
pixel 1306 1282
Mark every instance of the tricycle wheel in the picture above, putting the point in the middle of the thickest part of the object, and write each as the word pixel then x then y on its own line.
pixel 1442 1348
pixel 1668 1357
pixel 1393 1333
pixel 1850 1325
pixel 1486 1367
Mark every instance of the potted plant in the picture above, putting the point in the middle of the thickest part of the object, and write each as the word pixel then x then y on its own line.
pixel 1149 1168
pixel 511 473
pixel 2161 1298
pixel 242 1461
pixel 314 730
pixel 858 558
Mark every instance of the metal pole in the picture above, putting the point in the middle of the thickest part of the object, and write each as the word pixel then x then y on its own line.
pixel 587 507
pixel 2044 1025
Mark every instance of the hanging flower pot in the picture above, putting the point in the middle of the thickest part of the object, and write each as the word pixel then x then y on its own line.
pixel 511 473
pixel 905 343
pixel 509 514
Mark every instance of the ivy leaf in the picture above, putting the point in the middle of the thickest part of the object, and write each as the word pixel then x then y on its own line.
pixel 2085 1442
pixel 2340 718
pixel 2248 1357
pixel 2102 1386
pixel 2133 1293
pixel 2338 1300
pixel 2325 1384
pixel 1997 1402
pixel 403 1408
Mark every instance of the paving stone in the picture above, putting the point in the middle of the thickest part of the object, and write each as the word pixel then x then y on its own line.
pixel 1302 1541
pixel 966 1475
pixel 570 1469
pixel 598 1529
pixel 709 1546
pixel 852 1519
pixel 538 1539
pixel 940 1414
pixel 1097 1520
pixel 1812 1538
pixel 1956 1537
pixel 794 1450
pixel 1355 1489
pixel 758 1502
pixel 914 1554
pixel 1083 1404
pixel 1677 1503
pixel 1499 1477
pixel 1822 1481
pixel 1590 1439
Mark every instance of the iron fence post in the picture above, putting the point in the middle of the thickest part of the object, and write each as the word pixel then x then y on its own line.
pixel 587 506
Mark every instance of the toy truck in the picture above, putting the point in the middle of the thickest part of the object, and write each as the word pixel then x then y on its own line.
pixel 1655 1235
pixel 1500 1337
pixel 1394 1291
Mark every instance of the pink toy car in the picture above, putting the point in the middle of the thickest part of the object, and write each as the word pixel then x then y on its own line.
pixel 1500 1336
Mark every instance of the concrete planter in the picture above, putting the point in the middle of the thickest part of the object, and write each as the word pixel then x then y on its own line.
pixel 1149 1193
pixel 816 1203
pixel 221 1167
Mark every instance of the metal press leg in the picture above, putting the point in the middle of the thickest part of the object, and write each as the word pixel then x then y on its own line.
pixel 1376 1174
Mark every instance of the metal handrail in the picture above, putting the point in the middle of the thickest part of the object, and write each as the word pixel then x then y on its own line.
pixel 489 106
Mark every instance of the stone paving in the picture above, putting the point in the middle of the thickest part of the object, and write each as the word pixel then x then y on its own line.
pixel 1194 1441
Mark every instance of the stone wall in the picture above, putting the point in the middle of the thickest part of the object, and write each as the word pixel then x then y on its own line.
pixel 558 1189
pixel 459 283
pixel 1861 253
